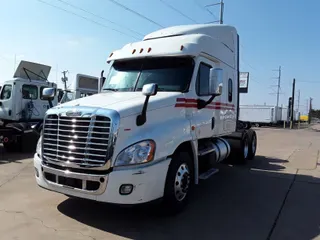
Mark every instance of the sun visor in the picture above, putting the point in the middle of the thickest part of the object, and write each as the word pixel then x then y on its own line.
pixel 35 71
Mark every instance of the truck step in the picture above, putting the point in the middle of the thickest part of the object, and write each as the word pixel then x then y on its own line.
pixel 205 151
pixel 209 173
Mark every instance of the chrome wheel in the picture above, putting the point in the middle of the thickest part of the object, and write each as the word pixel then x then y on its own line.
pixel 182 182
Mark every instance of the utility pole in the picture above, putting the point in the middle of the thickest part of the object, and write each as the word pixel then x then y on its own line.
pixel 221 11
pixel 292 105
pixel 64 79
pixel 278 88
pixel 221 3
pixel 310 109
pixel 298 109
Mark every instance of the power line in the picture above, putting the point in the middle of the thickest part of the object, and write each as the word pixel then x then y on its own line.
pixel 308 81
pixel 136 13
pixel 174 9
pixel 207 10
pixel 96 15
pixel 88 19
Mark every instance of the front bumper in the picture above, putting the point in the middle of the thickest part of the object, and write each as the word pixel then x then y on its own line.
pixel 148 182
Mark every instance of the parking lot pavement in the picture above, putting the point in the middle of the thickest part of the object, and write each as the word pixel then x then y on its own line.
pixel 274 196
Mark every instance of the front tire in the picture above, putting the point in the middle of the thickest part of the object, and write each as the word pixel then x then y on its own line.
pixel 178 183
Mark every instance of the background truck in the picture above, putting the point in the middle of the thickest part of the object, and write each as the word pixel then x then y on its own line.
pixel 260 115
pixel 84 86
pixel 22 105
pixel 166 114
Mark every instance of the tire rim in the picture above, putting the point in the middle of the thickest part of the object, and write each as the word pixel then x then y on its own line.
pixel 254 144
pixel 246 148
pixel 182 182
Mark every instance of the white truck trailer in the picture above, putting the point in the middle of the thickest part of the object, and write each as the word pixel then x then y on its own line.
pixel 22 105
pixel 260 115
pixel 167 101
pixel 285 115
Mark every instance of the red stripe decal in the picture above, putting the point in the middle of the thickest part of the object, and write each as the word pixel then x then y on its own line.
pixel 192 103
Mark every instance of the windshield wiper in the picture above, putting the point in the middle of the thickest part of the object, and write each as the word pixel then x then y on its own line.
pixel 111 89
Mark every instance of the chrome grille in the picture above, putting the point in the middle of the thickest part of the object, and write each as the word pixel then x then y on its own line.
pixel 76 141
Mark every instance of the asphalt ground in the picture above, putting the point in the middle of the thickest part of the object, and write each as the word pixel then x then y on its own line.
pixel 275 196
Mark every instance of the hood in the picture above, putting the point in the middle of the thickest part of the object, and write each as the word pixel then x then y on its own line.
pixel 126 103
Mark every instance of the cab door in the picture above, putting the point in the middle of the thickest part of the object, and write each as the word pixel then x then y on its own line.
pixel 206 120
pixel 30 107
pixel 6 103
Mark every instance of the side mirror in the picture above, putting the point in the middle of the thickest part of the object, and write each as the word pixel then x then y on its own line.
pixel 48 93
pixel 150 89
pixel 216 81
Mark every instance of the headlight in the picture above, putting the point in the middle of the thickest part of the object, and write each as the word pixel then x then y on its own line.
pixel 39 146
pixel 141 152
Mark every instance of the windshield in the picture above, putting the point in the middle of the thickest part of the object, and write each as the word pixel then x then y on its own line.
pixel 170 73
pixel 67 96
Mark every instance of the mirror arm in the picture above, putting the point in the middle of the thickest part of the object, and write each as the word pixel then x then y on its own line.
pixel 202 103
pixel 142 118
pixel 50 103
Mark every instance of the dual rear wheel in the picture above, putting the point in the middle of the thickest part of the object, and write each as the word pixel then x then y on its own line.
pixel 243 148
pixel 180 175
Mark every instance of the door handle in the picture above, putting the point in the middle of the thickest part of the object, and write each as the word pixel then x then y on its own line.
pixel 212 123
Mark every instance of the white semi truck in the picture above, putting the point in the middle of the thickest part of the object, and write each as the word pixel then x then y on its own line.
pixel 167 101
pixel 22 105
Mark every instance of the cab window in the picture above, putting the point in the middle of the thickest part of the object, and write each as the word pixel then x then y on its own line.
pixel 29 92
pixel 6 92
pixel 202 83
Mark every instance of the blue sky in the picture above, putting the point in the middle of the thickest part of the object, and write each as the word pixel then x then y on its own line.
pixel 272 33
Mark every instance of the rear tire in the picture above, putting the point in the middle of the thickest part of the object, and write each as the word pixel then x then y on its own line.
pixel 239 149
pixel 178 184
pixel 252 144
